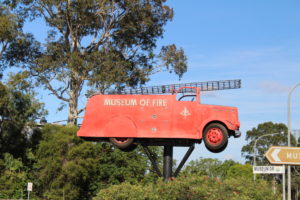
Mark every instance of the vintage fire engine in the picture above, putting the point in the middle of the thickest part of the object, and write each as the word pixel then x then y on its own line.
pixel 169 114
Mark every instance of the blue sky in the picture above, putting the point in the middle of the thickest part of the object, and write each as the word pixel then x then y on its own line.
pixel 256 41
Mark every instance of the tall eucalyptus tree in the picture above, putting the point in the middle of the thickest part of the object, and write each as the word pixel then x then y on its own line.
pixel 100 44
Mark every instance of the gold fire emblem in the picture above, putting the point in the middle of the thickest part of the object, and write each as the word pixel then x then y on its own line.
pixel 185 112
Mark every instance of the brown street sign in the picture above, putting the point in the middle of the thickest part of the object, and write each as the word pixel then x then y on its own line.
pixel 283 155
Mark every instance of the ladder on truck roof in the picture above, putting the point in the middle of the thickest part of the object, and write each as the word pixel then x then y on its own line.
pixel 204 86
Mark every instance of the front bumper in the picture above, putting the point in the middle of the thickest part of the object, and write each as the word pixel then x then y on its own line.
pixel 237 134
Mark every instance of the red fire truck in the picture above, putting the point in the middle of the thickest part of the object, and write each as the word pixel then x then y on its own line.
pixel 161 114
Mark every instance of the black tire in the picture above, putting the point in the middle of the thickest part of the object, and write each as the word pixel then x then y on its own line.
pixel 121 143
pixel 215 137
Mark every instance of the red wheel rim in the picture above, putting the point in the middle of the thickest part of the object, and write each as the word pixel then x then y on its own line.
pixel 120 140
pixel 214 136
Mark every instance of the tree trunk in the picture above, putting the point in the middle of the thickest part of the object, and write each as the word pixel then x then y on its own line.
pixel 72 116
pixel 73 100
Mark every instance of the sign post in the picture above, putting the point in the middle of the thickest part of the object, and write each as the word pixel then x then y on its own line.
pixel 286 156
pixel 283 155
pixel 272 170
pixel 29 189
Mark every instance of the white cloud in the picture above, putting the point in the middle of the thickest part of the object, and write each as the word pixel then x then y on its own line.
pixel 274 87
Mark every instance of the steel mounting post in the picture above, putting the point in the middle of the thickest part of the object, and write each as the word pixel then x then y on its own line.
pixel 151 158
pixel 184 159
pixel 168 161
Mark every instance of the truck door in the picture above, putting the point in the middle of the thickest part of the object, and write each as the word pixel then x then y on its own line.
pixel 154 117
pixel 184 113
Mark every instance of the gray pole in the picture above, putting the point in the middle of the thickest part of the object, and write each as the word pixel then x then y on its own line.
pixel 254 175
pixel 255 150
pixel 283 184
pixel 254 163
pixel 289 140
pixel 168 162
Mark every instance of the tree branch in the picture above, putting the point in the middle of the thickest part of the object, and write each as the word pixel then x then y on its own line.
pixel 81 110
pixel 49 87
pixel 51 14
pixel 108 23
pixel 69 23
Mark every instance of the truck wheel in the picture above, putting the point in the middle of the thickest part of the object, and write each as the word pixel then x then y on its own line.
pixel 121 143
pixel 215 137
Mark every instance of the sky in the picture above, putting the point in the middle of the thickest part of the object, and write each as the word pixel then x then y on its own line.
pixel 255 41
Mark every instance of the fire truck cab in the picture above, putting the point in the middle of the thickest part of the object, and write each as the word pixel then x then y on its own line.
pixel 178 118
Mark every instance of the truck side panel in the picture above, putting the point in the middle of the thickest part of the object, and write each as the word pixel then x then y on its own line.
pixel 128 116
pixel 151 116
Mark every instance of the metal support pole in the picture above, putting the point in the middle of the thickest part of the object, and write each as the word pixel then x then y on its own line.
pixel 255 150
pixel 184 159
pixel 289 139
pixel 154 164
pixel 283 185
pixel 168 162
pixel 289 197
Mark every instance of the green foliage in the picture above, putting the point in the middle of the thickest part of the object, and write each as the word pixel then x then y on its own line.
pixel 207 166
pixel 226 165
pixel 16 47
pixel 192 187
pixel 22 51
pixel 13 177
pixel 174 59
pixel 213 168
pixel 66 165
pixel 8 31
pixel 9 26
pixel 18 110
pixel 240 171
pixel 117 166
pixel 263 143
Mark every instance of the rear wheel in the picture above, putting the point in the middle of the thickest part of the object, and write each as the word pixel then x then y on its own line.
pixel 125 144
pixel 215 137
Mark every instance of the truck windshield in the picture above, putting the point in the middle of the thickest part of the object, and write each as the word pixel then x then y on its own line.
pixel 186 94
pixel 187 98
